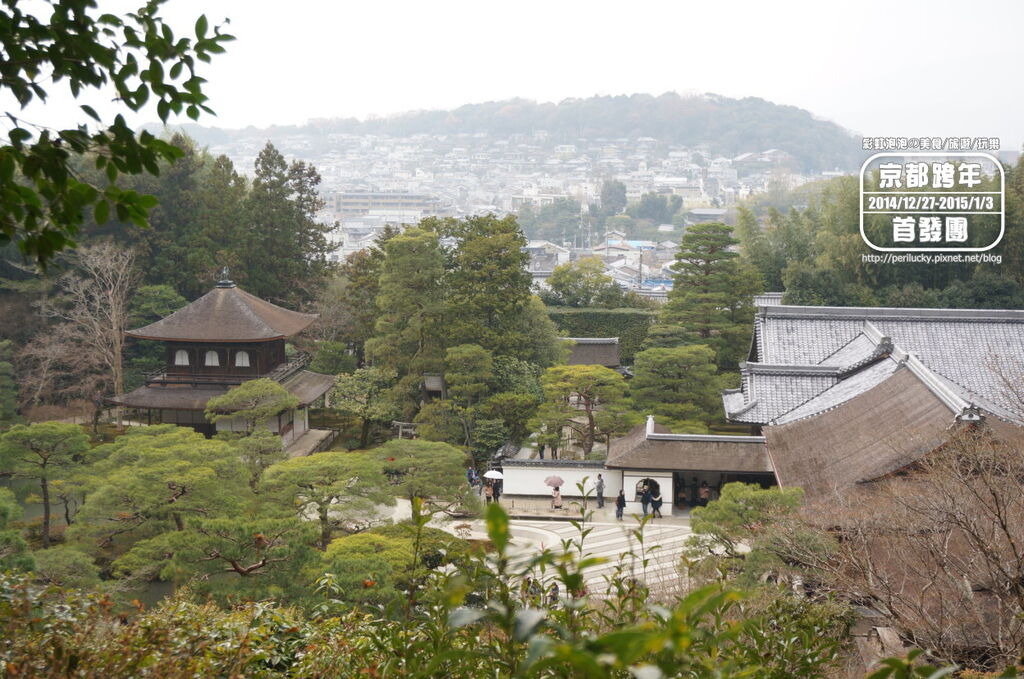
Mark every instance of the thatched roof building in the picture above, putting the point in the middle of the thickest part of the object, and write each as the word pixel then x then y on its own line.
pixel 653 447
pixel 594 351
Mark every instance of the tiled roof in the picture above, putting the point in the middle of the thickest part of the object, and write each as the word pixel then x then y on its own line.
pixel 961 349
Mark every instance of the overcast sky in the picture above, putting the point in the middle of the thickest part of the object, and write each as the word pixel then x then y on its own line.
pixel 878 68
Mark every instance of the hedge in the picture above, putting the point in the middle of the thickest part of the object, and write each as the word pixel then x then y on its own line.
pixel 629 325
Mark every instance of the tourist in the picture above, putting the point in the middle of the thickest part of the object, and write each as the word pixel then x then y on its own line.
pixel 694 488
pixel 556 499
pixel 704 493
pixel 470 473
pixel 645 498
pixel 553 595
pixel 656 505
pixel 535 593
pixel 600 492
pixel 488 492
pixel 497 489
pixel 620 505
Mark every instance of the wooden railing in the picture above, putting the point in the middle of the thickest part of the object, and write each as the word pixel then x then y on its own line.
pixel 279 373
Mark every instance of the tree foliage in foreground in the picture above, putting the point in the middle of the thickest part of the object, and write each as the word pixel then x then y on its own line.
pixel 481 621
pixel 137 58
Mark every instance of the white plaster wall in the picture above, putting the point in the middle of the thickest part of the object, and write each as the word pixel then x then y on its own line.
pixel 530 480
pixel 631 478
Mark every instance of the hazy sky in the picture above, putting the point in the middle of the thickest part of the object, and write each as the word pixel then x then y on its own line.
pixel 877 68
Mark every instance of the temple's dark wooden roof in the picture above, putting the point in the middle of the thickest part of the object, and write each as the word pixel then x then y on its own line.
pixel 226 314
pixel 307 386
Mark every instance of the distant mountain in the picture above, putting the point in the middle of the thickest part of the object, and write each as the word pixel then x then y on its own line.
pixel 726 126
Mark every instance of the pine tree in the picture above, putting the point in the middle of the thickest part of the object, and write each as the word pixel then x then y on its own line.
pixel 8 386
pixel 712 296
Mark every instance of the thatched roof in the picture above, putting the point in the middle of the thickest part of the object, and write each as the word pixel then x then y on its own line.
pixel 305 385
pixel 594 351
pixel 873 434
pixel 651 446
pixel 226 314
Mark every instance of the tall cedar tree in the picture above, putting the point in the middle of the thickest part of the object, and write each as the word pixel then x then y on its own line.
pixel 712 295
pixel 222 193
pixel 409 331
pixel 177 250
pixel 486 282
pixel 8 387
pixel 283 249
pixel 361 272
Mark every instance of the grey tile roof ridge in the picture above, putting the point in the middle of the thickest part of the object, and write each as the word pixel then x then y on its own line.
pixel 941 386
pixel 734 415
pixel 592 340
pixel 897 313
pixel 755 368
pixel 780 419
pixel 852 340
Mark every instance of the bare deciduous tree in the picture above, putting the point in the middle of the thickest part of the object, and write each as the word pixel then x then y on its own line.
pixel 939 548
pixel 91 310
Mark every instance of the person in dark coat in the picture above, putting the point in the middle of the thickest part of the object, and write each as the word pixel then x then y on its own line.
pixel 620 505
pixel 656 506
pixel 704 493
pixel 645 499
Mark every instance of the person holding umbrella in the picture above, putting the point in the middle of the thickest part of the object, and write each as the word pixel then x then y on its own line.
pixel 494 478
pixel 556 497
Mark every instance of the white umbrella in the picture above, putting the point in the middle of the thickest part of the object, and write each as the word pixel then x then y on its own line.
pixel 493 474
pixel 554 481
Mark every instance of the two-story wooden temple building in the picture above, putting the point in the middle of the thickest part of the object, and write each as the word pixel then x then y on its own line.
pixel 220 340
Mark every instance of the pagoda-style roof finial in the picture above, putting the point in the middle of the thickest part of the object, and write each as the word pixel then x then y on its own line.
pixel 224 281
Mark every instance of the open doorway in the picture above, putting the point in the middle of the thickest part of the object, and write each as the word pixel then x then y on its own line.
pixel 651 484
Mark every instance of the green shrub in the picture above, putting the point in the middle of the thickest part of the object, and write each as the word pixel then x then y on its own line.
pixel 629 325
